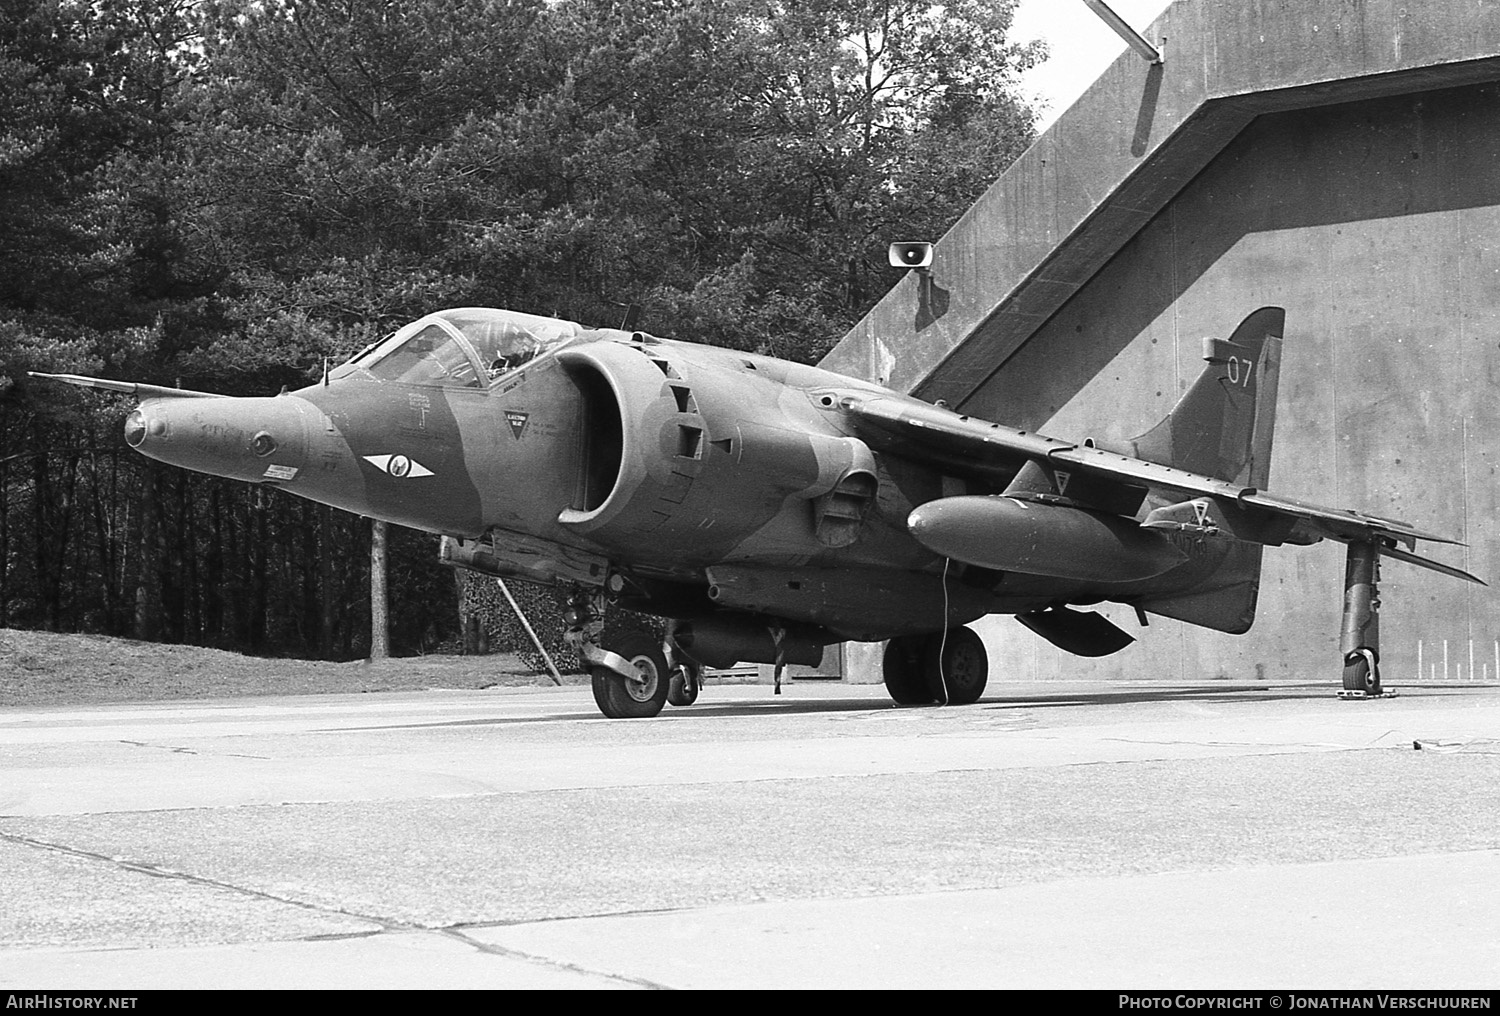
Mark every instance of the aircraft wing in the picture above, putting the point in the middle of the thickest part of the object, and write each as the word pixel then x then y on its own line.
pixel 140 391
pixel 974 447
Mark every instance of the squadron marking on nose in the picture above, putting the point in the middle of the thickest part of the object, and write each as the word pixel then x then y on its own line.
pixel 399 466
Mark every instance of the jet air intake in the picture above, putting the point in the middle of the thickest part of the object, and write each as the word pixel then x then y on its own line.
pixel 1009 534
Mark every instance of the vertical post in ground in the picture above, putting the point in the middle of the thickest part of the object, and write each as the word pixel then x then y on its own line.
pixel 380 639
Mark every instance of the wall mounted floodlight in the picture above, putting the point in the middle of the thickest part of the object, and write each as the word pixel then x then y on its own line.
pixel 910 255
pixel 1124 31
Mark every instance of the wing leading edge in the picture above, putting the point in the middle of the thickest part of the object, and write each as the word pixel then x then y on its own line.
pixel 991 451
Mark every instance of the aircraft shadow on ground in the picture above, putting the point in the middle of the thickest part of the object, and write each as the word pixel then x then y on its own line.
pixel 786 706
pixel 1004 701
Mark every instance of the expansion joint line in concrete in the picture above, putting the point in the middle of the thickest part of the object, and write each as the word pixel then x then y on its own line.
pixel 191 751
pixel 574 968
pixel 383 924
pixel 154 871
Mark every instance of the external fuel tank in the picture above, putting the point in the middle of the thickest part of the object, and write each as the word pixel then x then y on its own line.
pixel 1011 534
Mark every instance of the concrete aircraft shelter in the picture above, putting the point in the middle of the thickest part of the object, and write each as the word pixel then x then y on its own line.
pixel 1339 158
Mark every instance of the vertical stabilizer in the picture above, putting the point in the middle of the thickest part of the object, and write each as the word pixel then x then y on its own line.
pixel 1222 427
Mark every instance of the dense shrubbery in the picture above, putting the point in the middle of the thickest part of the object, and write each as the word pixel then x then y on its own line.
pixel 220 194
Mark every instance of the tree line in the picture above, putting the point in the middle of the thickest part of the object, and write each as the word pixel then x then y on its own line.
pixel 223 194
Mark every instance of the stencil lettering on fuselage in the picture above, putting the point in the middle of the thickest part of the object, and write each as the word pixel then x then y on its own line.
pixel 420 405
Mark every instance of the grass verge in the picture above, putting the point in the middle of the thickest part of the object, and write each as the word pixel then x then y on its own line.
pixel 48 669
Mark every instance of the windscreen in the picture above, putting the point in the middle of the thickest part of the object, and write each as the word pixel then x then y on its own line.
pixel 430 357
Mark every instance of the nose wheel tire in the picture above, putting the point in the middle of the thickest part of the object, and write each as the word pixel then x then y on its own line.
pixel 620 698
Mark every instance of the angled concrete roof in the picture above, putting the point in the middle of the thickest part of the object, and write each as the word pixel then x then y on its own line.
pixel 1119 154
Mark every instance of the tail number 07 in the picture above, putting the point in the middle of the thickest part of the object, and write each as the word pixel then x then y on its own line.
pixel 1240 371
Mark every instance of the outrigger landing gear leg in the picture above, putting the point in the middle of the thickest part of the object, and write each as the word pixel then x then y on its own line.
pixel 1359 641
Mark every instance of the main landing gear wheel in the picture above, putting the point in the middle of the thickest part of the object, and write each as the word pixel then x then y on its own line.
pixel 620 698
pixel 683 688
pixel 902 667
pixel 956 668
pixel 920 669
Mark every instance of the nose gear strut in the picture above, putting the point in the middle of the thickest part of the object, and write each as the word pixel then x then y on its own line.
pixel 627 668
pixel 585 619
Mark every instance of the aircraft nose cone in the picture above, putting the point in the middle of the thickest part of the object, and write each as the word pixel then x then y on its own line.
pixel 244 439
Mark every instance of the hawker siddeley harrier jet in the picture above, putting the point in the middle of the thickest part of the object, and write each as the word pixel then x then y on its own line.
pixel 769 509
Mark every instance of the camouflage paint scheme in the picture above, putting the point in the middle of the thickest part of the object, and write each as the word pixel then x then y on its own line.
pixel 774 508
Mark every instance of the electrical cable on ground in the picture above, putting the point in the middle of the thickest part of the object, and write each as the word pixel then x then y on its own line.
pixel 943 641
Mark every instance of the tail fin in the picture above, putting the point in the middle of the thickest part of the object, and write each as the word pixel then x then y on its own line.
pixel 1223 426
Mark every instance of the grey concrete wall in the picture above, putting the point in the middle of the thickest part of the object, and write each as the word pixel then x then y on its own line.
pixel 1376 224
pixel 1114 159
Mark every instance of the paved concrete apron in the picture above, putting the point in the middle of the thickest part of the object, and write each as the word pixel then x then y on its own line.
pixel 1051 835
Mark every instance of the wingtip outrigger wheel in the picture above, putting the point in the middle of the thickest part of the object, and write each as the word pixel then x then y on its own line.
pixel 1362 675
pixel 1359 640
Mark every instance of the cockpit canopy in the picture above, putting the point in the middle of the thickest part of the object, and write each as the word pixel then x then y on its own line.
pixel 468 347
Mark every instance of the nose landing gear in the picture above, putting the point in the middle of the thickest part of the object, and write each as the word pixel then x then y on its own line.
pixel 628 669
pixel 639 694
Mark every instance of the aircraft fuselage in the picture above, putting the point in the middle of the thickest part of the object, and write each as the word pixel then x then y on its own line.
pixel 672 462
